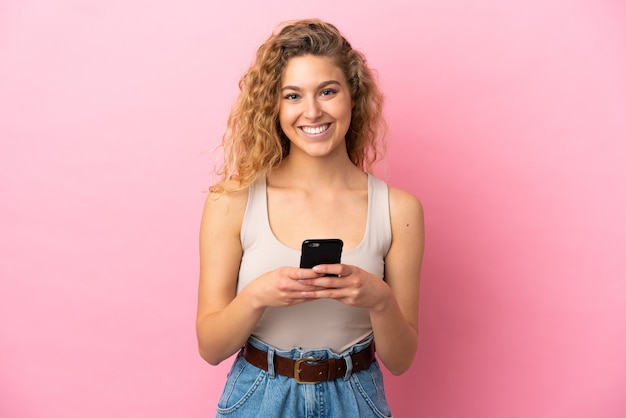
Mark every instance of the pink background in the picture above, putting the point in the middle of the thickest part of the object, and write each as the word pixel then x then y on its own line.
pixel 508 119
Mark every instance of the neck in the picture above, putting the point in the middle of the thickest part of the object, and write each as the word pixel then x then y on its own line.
pixel 315 173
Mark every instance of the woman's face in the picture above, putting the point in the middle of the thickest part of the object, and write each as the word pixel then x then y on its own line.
pixel 315 105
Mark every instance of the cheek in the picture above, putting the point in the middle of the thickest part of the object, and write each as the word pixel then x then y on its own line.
pixel 281 122
pixel 347 115
pixel 285 126
pixel 285 118
pixel 346 109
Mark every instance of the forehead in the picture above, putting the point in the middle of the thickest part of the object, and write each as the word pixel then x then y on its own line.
pixel 311 69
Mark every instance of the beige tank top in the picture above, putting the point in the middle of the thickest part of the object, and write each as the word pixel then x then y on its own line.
pixel 324 323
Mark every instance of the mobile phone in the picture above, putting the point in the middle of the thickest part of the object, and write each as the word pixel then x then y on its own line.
pixel 320 251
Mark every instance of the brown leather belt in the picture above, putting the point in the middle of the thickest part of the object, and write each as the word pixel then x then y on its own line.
pixel 310 370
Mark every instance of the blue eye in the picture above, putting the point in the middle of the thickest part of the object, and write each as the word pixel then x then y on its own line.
pixel 291 96
pixel 328 92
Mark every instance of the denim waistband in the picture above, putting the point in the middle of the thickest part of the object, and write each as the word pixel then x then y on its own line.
pixel 297 353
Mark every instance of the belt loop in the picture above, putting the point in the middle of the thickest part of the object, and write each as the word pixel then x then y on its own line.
pixel 270 362
pixel 348 360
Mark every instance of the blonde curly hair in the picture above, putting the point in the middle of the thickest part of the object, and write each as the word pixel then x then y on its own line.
pixel 254 142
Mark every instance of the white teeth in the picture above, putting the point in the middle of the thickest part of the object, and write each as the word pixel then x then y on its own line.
pixel 316 130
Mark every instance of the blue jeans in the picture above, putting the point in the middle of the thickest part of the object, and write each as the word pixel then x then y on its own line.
pixel 252 392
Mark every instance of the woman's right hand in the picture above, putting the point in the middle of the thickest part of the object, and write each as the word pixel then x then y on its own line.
pixel 281 287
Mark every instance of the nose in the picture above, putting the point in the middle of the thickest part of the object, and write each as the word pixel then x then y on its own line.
pixel 313 109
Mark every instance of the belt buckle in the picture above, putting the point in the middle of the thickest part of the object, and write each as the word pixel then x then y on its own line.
pixel 296 370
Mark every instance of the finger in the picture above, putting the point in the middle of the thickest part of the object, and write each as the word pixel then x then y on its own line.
pixel 325 282
pixel 324 294
pixel 339 270
pixel 309 288
pixel 303 274
pixel 317 294
pixel 290 286
pixel 311 284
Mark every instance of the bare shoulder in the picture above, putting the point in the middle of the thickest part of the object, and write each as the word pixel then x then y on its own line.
pixel 407 225
pixel 224 211
pixel 405 208
pixel 404 259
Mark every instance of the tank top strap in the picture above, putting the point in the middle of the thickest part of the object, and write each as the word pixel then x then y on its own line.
pixel 378 231
pixel 255 224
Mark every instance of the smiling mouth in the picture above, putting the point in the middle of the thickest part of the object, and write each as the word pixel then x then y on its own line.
pixel 315 130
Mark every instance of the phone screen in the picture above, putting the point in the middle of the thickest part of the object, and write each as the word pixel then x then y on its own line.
pixel 320 251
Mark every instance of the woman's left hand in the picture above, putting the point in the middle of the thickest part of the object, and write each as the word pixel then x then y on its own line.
pixel 352 286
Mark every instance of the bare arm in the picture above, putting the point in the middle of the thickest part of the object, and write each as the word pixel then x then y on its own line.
pixel 395 321
pixel 226 319
pixel 224 322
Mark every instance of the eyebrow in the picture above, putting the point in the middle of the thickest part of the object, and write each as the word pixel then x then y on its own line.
pixel 321 86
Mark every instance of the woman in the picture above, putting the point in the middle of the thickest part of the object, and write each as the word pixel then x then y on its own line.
pixel 300 138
